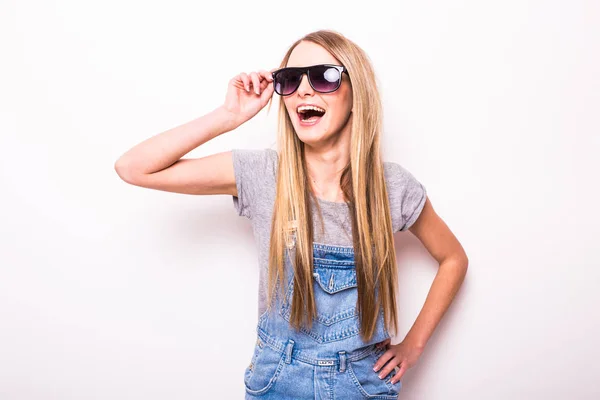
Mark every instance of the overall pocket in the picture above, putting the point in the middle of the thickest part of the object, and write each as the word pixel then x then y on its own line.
pixel 265 366
pixel 368 382
pixel 335 290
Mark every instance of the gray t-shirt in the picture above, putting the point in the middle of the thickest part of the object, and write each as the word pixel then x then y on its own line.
pixel 255 176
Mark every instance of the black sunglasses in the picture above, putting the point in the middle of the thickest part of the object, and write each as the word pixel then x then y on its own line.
pixel 323 78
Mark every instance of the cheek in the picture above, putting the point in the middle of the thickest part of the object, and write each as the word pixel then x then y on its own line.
pixel 338 116
pixel 290 111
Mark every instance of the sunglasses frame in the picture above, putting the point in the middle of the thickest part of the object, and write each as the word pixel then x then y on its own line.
pixel 306 70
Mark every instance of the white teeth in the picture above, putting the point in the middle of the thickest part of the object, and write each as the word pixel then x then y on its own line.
pixel 305 108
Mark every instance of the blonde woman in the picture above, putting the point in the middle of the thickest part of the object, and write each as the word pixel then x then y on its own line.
pixel 324 208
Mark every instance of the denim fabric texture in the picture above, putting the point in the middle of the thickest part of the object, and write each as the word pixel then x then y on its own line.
pixel 328 361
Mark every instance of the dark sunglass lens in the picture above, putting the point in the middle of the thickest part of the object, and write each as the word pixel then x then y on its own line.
pixel 287 81
pixel 325 79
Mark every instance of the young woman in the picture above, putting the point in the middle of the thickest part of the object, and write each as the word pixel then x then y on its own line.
pixel 324 208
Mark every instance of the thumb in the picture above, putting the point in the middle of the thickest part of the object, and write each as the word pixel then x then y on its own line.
pixel 266 93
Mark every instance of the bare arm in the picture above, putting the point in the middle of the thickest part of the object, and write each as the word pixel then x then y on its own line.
pixel 157 162
pixel 441 243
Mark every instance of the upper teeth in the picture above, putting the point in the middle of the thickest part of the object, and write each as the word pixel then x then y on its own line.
pixel 305 108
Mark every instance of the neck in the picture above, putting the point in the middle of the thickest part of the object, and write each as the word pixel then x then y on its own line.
pixel 325 163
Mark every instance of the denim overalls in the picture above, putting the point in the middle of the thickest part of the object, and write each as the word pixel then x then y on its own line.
pixel 330 360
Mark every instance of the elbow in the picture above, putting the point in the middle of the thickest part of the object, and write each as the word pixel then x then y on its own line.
pixel 460 263
pixel 464 263
pixel 123 171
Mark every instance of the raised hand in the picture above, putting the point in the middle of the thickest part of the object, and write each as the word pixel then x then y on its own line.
pixel 247 94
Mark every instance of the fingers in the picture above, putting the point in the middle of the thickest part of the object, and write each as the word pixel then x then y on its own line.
pixel 245 81
pixel 381 361
pixel 389 367
pixel 261 80
pixel 267 92
pixel 255 82
pixel 399 374
pixel 266 74
pixel 263 84
pixel 384 343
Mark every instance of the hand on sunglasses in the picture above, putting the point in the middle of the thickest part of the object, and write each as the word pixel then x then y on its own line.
pixel 247 94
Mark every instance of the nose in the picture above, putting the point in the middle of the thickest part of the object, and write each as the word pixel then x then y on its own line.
pixel 305 87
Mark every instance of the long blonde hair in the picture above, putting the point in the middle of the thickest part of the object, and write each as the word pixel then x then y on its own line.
pixel 364 189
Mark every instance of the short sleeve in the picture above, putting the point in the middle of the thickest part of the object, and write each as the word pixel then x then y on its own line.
pixel 406 194
pixel 254 171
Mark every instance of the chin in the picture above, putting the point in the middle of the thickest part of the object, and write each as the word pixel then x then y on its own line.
pixel 313 138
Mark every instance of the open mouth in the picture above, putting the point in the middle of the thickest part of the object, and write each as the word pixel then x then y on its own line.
pixel 310 114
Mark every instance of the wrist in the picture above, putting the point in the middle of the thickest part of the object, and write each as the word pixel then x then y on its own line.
pixel 228 118
pixel 415 341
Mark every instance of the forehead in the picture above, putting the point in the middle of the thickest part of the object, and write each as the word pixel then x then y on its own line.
pixel 309 53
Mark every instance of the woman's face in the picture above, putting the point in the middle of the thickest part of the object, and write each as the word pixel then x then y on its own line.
pixel 337 105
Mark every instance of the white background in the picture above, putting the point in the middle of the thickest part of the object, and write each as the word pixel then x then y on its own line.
pixel 111 291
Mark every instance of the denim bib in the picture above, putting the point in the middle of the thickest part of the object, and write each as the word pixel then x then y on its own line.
pixel 329 360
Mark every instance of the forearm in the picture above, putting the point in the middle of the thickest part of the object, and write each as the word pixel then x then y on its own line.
pixel 164 149
pixel 445 285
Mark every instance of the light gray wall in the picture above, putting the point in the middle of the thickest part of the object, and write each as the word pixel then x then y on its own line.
pixel 110 291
